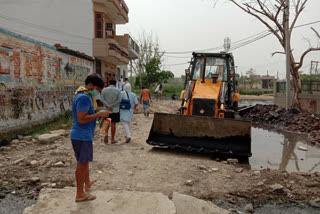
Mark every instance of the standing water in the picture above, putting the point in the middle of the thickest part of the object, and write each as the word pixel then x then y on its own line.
pixel 283 151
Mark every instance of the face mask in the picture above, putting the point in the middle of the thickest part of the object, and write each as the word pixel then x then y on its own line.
pixel 94 92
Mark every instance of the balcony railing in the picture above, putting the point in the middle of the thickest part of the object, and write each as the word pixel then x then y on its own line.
pixel 133 45
pixel 118 50
pixel 111 51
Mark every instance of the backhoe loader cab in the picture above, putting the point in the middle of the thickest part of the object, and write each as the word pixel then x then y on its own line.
pixel 206 120
pixel 213 82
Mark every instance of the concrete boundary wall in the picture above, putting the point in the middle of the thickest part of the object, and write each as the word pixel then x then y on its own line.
pixel 37 82
pixel 309 101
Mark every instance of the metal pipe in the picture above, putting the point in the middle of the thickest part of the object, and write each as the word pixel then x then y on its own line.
pixel 223 93
pixel 187 94
pixel 204 68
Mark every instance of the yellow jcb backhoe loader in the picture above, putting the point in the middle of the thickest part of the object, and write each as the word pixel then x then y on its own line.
pixel 208 120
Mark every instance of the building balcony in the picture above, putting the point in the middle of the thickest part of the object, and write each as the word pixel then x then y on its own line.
pixel 133 48
pixel 116 10
pixel 111 51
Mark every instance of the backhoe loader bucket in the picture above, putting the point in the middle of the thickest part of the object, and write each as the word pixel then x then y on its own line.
pixel 204 134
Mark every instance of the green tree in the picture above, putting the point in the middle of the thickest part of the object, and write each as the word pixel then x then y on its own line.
pixel 243 81
pixel 252 77
pixel 149 48
pixel 153 74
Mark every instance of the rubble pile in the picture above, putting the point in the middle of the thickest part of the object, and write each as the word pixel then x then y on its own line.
pixel 292 120
pixel 26 163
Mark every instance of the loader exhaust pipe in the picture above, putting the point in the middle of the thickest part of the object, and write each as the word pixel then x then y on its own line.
pixel 204 68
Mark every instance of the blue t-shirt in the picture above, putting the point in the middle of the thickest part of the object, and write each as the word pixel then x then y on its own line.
pixel 83 132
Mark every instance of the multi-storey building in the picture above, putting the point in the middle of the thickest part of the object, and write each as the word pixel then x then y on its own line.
pixel 124 70
pixel 109 49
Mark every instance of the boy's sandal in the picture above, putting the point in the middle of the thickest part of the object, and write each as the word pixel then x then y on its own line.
pixel 88 198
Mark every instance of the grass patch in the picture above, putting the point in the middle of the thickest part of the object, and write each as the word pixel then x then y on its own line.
pixel 63 121
pixel 256 92
pixel 175 88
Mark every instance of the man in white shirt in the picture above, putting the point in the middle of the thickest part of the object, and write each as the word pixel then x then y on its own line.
pixel 111 98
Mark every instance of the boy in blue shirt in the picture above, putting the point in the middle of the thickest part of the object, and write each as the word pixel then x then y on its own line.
pixel 82 132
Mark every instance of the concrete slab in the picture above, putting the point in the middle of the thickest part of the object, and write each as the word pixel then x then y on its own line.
pixel 190 205
pixel 48 138
pixel 61 132
pixel 61 201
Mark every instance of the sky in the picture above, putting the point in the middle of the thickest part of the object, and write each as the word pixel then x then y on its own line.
pixel 180 25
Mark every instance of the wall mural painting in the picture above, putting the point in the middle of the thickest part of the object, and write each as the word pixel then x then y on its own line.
pixel 5 61
pixel 36 80
pixel 34 68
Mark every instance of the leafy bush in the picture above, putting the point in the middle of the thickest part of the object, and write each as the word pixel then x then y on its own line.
pixel 309 77
pixel 256 92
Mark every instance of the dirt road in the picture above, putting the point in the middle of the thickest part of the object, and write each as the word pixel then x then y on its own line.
pixel 137 166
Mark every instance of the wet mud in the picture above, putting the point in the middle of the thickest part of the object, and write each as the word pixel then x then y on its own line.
pixel 15 204
pixel 286 209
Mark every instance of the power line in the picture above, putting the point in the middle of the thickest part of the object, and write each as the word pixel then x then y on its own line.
pixel 42 27
pixel 178 57
pixel 310 23
pixel 208 49
pixel 250 41
pixel 176 64
pixel 220 46
pixel 269 33
pixel 45 37
pixel 264 33
pixel 238 44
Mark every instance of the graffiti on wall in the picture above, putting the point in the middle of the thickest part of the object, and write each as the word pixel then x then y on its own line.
pixel 36 80
pixel 34 68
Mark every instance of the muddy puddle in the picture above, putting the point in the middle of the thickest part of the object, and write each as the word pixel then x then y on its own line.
pixel 283 151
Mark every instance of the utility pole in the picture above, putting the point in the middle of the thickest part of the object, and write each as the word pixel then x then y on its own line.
pixel 288 86
pixel 227 44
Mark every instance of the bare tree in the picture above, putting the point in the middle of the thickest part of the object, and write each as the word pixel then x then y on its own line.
pixel 272 15
pixel 316 32
pixel 149 48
